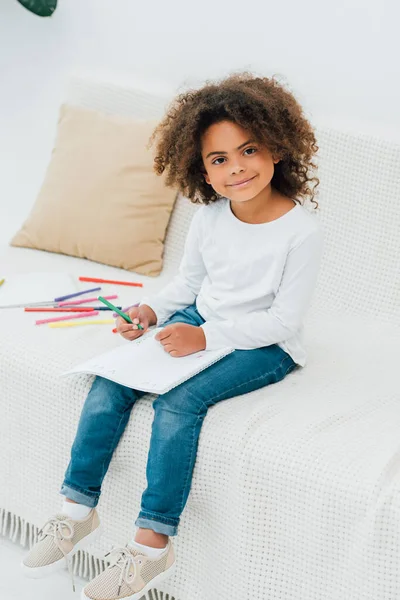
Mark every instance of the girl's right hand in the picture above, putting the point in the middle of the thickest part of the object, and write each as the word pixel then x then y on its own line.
pixel 138 314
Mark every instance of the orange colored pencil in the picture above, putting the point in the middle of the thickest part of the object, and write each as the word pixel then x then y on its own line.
pixel 96 280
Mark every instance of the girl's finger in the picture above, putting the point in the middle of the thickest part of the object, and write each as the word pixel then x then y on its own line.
pixel 120 322
pixel 168 347
pixel 129 336
pixel 122 329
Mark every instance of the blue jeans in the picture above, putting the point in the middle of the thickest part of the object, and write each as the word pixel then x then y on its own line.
pixel 178 417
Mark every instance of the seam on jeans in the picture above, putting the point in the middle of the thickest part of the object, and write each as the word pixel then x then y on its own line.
pixel 190 460
pixel 251 380
pixel 199 416
pixel 103 469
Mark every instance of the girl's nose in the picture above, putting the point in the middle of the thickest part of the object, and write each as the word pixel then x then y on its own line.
pixel 237 169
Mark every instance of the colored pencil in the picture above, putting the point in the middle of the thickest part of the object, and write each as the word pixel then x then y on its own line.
pixel 62 309
pixel 96 280
pixel 94 322
pixel 69 317
pixel 85 300
pixel 121 314
pixel 105 308
pixel 38 304
pixel 69 309
pixel 61 298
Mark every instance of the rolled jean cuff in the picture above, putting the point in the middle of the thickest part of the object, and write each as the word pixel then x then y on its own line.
pixel 157 526
pixel 79 497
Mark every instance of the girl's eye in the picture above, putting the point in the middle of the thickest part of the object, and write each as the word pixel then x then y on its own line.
pixel 223 158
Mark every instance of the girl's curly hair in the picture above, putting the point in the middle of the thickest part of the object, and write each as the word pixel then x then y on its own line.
pixel 262 106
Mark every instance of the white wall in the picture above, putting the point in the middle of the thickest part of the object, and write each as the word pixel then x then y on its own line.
pixel 340 59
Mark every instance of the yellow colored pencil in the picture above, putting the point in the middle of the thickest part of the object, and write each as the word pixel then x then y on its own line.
pixel 2 281
pixel 92 322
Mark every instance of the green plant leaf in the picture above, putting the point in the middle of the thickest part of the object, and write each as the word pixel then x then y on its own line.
pixel 43 8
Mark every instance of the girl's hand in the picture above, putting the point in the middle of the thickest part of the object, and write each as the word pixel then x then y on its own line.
pixel 138 314
pixel 180 339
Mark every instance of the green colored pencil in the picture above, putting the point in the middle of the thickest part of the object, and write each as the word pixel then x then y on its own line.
pixel 117 310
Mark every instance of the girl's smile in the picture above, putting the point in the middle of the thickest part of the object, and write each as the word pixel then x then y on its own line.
pixel 243 183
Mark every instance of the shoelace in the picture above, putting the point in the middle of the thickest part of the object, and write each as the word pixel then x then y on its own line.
pixel 55 530
pixel 123 559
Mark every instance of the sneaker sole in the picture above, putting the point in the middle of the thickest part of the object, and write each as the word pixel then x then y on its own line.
pixel 39 572
pixel 152 584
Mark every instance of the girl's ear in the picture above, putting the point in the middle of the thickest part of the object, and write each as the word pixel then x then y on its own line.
pixel 206 177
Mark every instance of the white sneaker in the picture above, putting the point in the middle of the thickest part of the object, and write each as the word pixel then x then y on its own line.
pixel 58 540
pixel 131 574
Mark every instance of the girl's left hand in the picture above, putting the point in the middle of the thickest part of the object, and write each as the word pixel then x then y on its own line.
pixel 181 339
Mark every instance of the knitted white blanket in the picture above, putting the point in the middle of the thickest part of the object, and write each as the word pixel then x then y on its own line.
pixel 296 487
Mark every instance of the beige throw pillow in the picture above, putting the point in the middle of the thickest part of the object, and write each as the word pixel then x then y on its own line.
pixel 100 198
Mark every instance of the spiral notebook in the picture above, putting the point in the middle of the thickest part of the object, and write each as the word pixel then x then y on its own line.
pixel 143 364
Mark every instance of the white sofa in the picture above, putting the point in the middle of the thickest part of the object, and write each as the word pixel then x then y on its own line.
pixel 296 487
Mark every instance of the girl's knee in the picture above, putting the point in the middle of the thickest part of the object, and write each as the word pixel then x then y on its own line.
pixel 181 399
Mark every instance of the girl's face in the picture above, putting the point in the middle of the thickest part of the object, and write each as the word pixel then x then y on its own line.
pixel 230 156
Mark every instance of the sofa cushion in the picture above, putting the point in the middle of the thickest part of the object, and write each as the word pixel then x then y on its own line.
pixel 101 198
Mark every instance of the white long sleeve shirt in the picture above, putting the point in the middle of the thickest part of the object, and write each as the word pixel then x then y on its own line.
pixel 252 283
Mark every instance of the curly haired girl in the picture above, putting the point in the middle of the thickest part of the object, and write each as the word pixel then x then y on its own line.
pixel 267 112
pixel 243 149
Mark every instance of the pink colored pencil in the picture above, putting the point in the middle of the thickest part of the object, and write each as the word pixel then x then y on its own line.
pixel 86 300
pixel 74 316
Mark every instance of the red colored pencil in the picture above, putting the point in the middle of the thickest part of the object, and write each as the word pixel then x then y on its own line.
pixel 96 280
pixel 82 309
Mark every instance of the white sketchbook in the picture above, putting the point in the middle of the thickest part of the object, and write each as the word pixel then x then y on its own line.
pixel 143 364
pixel 28 289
